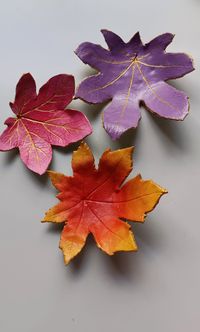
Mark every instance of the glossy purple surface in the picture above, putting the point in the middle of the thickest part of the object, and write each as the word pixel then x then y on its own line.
pixel 131 73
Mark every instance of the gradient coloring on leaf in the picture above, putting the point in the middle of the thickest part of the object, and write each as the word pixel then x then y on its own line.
pixel 131 73
pixel 41 120
pixel 94 201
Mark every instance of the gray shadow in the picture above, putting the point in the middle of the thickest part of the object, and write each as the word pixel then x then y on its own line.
pixel 122 266
pixel 41 180
pixel 10 156
pixel 173 131
pixel 128 265
pixel 149 233
pixel 127 139
pixel 79 263
pixel 67 149
pixel 54 228
pixel 93 111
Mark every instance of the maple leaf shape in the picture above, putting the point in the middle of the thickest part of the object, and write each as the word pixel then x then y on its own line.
pixel 131 73
pixel 41 120
pixel 94 201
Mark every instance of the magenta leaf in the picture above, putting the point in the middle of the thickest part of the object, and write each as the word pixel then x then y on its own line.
pixel 131 73
pixel 41 120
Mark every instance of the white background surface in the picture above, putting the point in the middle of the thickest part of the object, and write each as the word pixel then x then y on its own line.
pixel 156 289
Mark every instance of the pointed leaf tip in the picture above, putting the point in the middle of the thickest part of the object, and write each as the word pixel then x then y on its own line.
pixel 96 201
pixel 43 121
pixel 131 73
